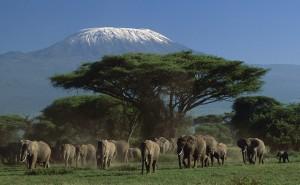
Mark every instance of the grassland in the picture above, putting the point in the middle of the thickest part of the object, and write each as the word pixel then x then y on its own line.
pixel 232 173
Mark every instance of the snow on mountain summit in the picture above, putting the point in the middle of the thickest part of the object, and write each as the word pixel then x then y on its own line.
pixel 93 43
pixel 95 35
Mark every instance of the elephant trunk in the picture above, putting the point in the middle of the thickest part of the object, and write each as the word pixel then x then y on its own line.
pixel 244 156
pixel 179 154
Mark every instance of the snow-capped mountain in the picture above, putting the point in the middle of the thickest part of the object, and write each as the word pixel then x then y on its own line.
pixel 91 43
pixel 24 77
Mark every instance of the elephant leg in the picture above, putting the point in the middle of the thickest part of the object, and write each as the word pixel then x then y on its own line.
pixel 48 163
pixel 108 162
pixel 154 166
pixel 105 163
pixel 212 159
pixel 126 156
pixel 33 162
pixel 244 157
pixel 189 161
pixel 83 161
pixel 66 162
pixel 179 161
pixel 150 161
pixel 184 162
pixel 195 161
pixel 72 162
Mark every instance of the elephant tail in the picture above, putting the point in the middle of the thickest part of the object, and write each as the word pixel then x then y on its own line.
pixel 143 153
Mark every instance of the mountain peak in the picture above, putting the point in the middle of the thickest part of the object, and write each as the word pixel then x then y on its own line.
pixel 92 36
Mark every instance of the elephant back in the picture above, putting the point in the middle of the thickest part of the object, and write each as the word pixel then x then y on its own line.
pixel 221 149
pixel 258 144
pixel 211 144
pixel 41 149
pixel 90 151
pixel 200 145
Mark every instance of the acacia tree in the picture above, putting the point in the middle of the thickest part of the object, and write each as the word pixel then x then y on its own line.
pixel 84 118
pixel 164 87
pixel 266 118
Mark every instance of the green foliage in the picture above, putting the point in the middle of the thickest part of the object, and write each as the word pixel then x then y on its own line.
pixel 164 87
pixel 11 128
pixel 266 118
pixel 85 118
pixel 211 118
pixel 220 131
pixel 42 130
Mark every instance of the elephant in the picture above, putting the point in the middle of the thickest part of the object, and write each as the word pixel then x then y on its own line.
pixel 134 153
pixel 121 150
pixel 173 145
pixel 189 147
pixel 35 152
pixel 164 144
pixel 86 153
pixel 211 147
pixel 252 148
pixel 150 153
pixel 283 155
pixel 221 153
pixel 68 152
pixel 106 152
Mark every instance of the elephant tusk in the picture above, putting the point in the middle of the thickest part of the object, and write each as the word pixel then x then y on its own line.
pixel 24 159
pixel 181 152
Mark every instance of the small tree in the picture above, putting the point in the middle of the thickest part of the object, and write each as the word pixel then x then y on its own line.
pixel 12 127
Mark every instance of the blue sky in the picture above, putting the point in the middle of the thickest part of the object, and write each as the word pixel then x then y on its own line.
pixel 256 31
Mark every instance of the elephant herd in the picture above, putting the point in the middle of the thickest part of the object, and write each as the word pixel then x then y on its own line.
pixel 201 150
pixel 192 151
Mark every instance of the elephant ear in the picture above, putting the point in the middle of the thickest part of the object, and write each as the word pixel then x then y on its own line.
pixel 254 143
pixel 242 143
pixel 191 140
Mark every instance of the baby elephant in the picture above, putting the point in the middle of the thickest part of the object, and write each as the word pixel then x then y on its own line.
pixel 284 156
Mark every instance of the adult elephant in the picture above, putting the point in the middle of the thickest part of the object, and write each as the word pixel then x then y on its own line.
pixel 106 152
pixel 121 150
pixel 211 147
pixel 134 153
pixel 252 148
pixel 150 152
pixel 86 153
pixel 35 152
pixel 164 144
pixel 221 153
pixel 191 147
pixel 68 152
pixel 173 145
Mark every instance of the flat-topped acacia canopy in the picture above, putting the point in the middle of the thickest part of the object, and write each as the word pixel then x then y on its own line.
pixel 182 81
